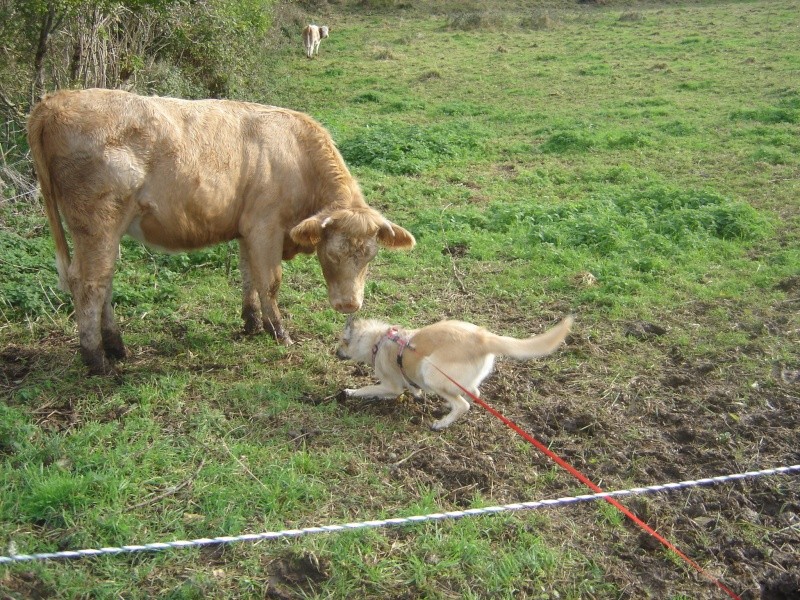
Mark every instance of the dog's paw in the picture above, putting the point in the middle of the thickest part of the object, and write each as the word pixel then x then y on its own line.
pixel 440 425
pixel 349 393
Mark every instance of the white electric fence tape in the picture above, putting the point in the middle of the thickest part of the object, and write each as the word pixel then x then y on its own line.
pixel 287 533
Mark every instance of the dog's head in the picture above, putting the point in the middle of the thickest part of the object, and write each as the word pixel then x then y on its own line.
pixel 358 337
pixel 345 348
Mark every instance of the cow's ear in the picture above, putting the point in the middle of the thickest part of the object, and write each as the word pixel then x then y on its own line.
pixel 308 232
pixel 394 236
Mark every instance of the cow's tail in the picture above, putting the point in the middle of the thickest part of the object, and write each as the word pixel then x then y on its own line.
pixel 37 142
pixel 532 347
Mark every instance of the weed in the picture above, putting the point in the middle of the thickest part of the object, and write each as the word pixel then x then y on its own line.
pixel 610 514
pixel 400 149
pixel 768 116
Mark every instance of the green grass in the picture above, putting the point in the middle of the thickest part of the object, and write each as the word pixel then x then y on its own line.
pixel 629 169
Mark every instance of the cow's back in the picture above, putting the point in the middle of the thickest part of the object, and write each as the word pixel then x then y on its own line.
pixel 185 173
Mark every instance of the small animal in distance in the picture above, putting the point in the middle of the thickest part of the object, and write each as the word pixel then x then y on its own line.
pixel 312 35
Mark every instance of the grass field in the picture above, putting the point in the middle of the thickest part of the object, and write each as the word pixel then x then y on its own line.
pixel 636 165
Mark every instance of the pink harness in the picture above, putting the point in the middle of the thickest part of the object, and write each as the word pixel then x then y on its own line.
pixel 393 334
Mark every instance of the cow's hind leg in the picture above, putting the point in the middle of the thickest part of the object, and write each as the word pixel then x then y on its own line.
pixel 90 277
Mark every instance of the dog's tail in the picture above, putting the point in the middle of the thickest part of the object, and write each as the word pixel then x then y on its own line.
pixel 532 347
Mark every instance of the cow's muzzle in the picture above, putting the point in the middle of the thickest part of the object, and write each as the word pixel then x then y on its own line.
pixel 346 307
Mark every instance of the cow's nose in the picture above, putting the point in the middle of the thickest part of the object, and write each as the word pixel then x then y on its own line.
pixel 347 307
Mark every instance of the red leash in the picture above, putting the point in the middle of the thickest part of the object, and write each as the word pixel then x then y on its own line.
pixel 592 486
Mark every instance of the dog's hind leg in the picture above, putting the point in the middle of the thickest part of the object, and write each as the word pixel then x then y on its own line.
pixel 458 408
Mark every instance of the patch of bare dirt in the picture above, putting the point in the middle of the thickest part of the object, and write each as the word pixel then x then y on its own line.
pixel 24 584
pixel 15 364
pixel 296 575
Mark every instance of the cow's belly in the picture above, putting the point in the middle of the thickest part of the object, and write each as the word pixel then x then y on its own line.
pixel 178 231
pixel 136 232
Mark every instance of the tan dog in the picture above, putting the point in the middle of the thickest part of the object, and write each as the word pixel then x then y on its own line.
pixel 408 359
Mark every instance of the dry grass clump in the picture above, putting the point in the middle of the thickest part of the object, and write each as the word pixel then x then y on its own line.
pixel 475 19
pixel 383 53
pixel 631 17
pixel 380 4
pixel 540 21
pixel 429 75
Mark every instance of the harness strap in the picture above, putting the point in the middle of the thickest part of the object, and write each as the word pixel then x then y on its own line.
pixel 402 342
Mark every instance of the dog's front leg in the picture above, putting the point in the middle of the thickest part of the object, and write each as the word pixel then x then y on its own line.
pixel 381 390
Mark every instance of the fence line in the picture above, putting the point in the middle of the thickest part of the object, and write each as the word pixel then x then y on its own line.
pixel 471 512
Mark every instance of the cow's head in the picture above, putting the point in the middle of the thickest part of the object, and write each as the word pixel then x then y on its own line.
pixel 345 241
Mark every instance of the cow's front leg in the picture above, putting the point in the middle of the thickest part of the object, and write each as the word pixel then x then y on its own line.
pixel 270 315
pixel 109 330
pixel 263 262
pixel 251 306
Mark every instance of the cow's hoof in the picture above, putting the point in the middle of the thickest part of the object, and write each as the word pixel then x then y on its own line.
pixel 253 326
pixel 114 348
pixel 276 330
pixel 96 363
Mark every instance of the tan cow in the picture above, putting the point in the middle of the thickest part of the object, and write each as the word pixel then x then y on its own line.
pixel 183 174
pixel 312 35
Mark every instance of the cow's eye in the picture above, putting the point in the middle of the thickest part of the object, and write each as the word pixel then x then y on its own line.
pixel 335 251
